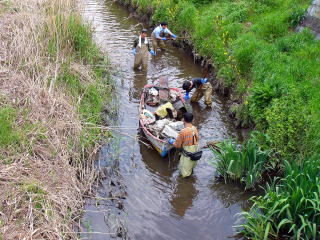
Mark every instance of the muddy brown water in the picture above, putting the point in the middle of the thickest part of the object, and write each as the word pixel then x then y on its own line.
pixel 142 195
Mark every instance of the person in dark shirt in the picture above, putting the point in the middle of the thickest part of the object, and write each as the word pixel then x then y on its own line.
pixel 203 88
pixel 140 50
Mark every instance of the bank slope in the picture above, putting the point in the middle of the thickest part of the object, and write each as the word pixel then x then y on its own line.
pixel 53 86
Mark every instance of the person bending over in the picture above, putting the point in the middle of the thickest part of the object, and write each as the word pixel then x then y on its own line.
pixel 159 35
pixel 203 88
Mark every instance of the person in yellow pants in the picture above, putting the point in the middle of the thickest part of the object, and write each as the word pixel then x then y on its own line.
pixel 203 88
pixel 140 50
pixel 188 139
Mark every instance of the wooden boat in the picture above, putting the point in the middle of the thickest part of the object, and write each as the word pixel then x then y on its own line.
pixel 160 145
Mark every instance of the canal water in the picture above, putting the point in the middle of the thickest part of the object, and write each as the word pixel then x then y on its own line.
pixel 142 195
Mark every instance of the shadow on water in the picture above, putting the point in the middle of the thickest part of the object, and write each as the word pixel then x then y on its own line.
pixel 142 195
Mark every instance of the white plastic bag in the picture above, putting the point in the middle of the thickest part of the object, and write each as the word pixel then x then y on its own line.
pixel 178 126
pixel 158 126
pixel 170 132
pixel 153 92
pixel 147 117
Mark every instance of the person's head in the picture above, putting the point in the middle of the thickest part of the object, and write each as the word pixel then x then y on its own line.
pixel 187 85
pixel 164 25
pixel 188 117
pixel 144 33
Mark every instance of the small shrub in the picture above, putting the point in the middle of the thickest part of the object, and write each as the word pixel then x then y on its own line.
pixel 296 16
pixel 244 51
pixel 260 98
pixel 286 121
pixel 245 164
pixel 271 26
pixel 236 11
pixel 228 75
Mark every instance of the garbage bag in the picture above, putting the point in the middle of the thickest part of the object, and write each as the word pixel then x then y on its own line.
pixel 162 110
pixel 147 117
pixel 169 132
pixel 159 125
pixel 153 92
pixel 178 126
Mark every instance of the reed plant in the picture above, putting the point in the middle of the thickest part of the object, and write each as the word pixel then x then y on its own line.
pixel 244 163
pixel 290 208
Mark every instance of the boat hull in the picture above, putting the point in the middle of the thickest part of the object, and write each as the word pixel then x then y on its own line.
pixel 162 146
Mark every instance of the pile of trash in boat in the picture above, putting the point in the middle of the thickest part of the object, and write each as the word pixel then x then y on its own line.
pixel 163 111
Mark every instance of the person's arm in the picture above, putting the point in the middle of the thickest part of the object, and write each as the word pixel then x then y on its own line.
pixel 148 45
pixel 196 82
pixel 178 142
pixel 135 43
pixel 167 31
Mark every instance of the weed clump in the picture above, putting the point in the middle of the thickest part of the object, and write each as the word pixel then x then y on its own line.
pixel 290 208
pixel 245 163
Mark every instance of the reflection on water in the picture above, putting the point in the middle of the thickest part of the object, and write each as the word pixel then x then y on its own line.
pixel 143 193
pixel 183 195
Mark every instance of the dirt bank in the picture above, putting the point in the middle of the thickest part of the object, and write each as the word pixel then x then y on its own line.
pixel 51 93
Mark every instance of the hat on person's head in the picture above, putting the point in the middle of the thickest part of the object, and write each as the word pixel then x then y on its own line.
pixel 144 30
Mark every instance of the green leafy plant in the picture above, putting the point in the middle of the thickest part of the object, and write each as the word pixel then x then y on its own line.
pixel 296 16
pixel 291 206
pixel 245 164
pixel 8 135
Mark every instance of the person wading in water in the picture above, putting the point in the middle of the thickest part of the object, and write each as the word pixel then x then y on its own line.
pixel 188 140
pixel 140 50
pixel 159 35
pixel 203 88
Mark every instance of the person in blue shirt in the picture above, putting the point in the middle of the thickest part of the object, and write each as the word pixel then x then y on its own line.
pixel 161 34
pixel 203 88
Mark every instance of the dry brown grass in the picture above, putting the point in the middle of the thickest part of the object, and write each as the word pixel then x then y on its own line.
pixel 40 191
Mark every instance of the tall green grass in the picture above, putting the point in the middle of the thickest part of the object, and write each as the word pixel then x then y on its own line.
pixel 290 208
pixel 90 97
pixel 244 163
pixel 8 134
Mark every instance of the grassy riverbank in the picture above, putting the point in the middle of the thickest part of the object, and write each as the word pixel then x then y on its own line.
pixel 273 73
pixel 53 86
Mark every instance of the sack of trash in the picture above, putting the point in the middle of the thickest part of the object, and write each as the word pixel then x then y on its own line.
pixel 169 132
pixel 159 125
pixel 152 97
pixel 162 111
pixel 153 91
pixel 178 126
pixel 147 117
